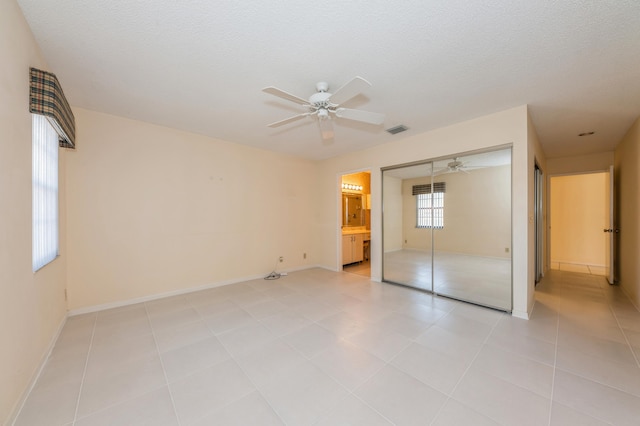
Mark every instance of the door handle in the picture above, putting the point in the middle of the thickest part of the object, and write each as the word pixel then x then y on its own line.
pixel 608 230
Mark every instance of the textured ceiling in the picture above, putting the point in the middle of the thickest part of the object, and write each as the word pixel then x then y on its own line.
pixel 200 65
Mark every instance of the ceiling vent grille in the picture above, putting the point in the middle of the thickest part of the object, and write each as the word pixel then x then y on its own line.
pixel 397 129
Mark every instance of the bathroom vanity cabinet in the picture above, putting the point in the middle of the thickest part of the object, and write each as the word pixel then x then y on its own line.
pixel 352 248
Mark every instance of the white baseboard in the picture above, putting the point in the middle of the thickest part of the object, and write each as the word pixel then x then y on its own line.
pixel 121 303
pixel 626 293
pixel 36 374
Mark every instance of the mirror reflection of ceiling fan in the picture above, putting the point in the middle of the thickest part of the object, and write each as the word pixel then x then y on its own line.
pixel 325 106
pixel 456 166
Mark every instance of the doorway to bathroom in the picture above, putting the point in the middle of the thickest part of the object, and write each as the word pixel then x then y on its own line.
pixel 355 191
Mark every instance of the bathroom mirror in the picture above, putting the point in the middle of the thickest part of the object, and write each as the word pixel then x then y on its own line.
pixel 352 214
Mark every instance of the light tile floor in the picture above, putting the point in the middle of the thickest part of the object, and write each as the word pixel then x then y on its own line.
pixel 361 268
pixel 574 267
pixel 324 348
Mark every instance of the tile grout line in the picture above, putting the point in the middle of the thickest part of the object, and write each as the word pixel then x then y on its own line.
pixel 233 358
pixel 626 339
pixel 353 392
pixel 613 312
pixel 84 372
pixel 164 372
pixel 555 365
pixel 316 322
pixel 450 395
pixel 338 338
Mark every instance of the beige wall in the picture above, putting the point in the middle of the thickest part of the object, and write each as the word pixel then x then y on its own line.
pixel 579 212
pixel 627 178
pixel 579 164
pixel 506 127
pixel 393 213
pixel 477 214
pixel 152 210
pixel 32 305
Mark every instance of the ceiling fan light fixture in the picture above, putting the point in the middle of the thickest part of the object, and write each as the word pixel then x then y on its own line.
pixel 323 114
pixel 323 103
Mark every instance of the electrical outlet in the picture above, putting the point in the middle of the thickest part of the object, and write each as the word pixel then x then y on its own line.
pixel 506 249
pixel 281 259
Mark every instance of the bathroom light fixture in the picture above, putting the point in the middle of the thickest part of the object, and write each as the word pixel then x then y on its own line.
pixel 352 187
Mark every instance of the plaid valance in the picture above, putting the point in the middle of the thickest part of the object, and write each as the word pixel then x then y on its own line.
pixel 46 98
pixel 426 188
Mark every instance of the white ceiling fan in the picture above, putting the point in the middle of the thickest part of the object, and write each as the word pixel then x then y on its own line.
pixel 457 166
pixel 324 105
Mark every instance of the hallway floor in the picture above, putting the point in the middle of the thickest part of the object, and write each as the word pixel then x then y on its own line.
pixel 323 348
pixel 582 268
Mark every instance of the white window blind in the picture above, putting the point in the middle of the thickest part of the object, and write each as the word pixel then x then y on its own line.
pixel 429 205
pixel 44 191
pixel 430 210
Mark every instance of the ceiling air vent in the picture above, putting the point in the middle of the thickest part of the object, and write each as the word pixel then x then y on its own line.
pixel 397 129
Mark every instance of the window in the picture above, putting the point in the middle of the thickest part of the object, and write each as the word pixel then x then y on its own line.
pixel 44 191
pixel 429 205
pixel 430 210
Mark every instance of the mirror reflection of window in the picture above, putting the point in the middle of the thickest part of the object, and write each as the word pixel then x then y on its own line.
pixel 429 205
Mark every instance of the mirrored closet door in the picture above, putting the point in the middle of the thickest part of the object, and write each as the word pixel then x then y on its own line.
pixel 447 227
pixel 407 247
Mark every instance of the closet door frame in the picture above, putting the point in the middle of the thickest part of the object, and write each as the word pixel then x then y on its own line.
pixel 432 161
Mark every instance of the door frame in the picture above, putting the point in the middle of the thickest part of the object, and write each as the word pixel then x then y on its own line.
pixel 339 175
pixel 609 170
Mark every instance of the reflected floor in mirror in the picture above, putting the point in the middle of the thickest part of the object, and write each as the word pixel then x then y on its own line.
pixel 477 279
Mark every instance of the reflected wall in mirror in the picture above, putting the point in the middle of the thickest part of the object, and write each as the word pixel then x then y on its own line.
pixel 454 216
pixel 403 263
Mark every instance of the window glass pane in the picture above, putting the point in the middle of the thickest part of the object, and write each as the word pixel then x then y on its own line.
pixel 44 192
pixel 430 210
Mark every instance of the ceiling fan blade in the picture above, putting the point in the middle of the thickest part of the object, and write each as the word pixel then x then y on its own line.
pixel 358 115
pixel 349 90
pixel 326 130
pixel 289 120
pixel 285 95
